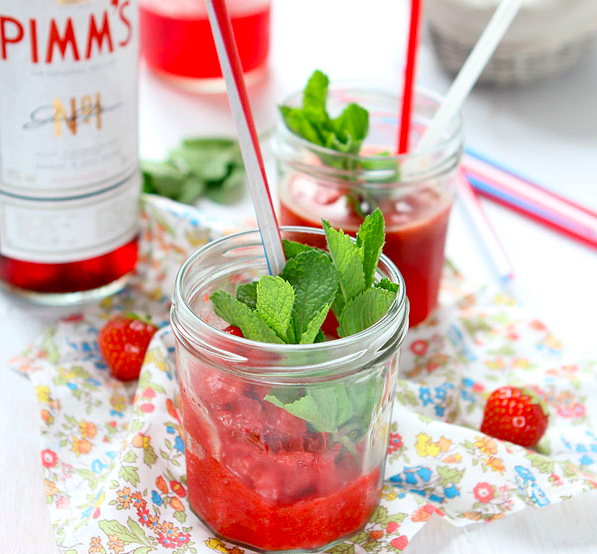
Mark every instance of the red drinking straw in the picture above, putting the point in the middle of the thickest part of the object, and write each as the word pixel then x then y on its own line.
pixel 221 28
pixel 409 74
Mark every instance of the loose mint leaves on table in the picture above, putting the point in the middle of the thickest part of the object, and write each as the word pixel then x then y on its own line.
pixel 210 167
pixel 292 307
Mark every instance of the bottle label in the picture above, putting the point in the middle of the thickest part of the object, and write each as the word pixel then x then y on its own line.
pixel 68 100
pixel 69 230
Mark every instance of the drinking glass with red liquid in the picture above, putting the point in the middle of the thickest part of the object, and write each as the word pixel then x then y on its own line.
pixel 256 474
pixel 177 43
pixel 415 192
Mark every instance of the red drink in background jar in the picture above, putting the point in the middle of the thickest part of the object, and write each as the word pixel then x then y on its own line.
pixel 69 179
pixel 415 232
pixel 414 192
pixel 176 40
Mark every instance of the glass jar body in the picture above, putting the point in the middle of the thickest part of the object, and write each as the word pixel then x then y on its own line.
pixel 414 192
pixel 285 444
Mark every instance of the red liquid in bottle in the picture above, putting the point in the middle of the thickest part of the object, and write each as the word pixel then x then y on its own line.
pixel 69 277
pixel 176 37
pixel 415 233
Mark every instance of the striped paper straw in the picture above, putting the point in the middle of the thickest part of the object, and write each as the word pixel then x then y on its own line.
pixel 513 191
pixel 485 233
pixel 223 35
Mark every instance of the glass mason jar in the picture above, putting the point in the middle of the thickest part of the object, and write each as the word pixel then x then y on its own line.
pixel 256 474
pixel 415 192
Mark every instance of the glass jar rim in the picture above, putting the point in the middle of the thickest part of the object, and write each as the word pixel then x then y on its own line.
pixel 376 88
pixel 182 310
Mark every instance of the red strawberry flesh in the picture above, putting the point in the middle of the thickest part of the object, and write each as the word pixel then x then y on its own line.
pixel 123 342
pixel 515 414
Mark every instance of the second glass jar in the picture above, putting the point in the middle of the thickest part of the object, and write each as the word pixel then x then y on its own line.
pixel 415 192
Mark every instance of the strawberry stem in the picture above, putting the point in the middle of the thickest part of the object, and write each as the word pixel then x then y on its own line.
pixel 144 319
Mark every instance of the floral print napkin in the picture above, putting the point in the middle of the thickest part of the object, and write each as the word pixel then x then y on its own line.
pixel 113 454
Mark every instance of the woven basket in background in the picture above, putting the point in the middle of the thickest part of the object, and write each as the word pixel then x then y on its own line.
pixel 547 37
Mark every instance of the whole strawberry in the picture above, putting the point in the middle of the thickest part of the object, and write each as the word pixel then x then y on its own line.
pixel 515 414
pixel 123 342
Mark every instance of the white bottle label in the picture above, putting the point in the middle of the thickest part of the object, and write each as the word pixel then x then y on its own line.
pixel 68 101
pixel 60 231
pixel 68 118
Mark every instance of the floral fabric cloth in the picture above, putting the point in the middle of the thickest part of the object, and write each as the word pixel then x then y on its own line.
pixel 113 454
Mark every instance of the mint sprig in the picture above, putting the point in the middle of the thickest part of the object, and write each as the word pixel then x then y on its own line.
pixel 295 304
pixel 345 134
pixel 292 307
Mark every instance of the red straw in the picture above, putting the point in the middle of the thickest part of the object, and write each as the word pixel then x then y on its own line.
pixel 221 27
pixel 409 74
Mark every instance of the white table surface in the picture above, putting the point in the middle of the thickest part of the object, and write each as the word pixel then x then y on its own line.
pixel 547 131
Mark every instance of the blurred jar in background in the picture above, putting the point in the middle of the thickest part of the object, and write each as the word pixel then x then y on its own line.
pixel 546 38
pixel 176 40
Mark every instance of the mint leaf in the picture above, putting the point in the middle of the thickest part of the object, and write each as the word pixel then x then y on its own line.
pixel 292 248
pixel 334 142
pixel 247 294
pixel 240 315
pixel 313 330
pixel 210 143
pixel 198 166
pixel 386 284
pixel 210 159
pixel 306 408
pixel 299 123
pixel 325 408
pixel 371 238
pixel 364 395
pixel 162 178
pixel 348 261
pixel 314 97
pixel 314 280
pixel 275 298
pixel 337 400
pixel 364 310
pixel 352 125
pixel 385 167
pixel 192 188
pixel 228 190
